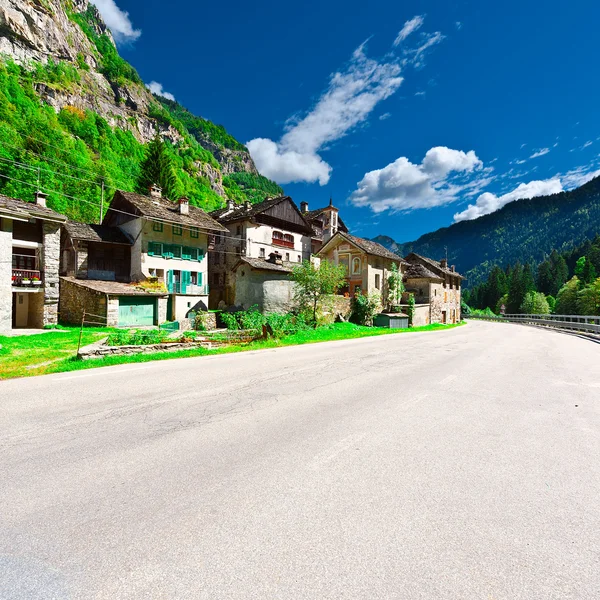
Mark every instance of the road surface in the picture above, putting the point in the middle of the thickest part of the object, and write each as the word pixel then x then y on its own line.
pixel 461 464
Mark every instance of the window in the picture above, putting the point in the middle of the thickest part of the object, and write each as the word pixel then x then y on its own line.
pixel 299 258
pixel 356 266
pixel 283 239
pixel 445 296
pixel 155 249
pixel 186 253
pixel 193 278
pixel 261 253
pixel 157 226
pixel 287 257
pixel 377 281
pixel 194 233
pixel 238 230
pixel 177 230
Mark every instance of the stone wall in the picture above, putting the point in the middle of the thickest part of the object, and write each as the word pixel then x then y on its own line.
pixel 51 266
pixel 6 294
pixel 75 298
pixel 336 308
pixel 271 291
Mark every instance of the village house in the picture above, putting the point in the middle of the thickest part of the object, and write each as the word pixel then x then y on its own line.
pixel 262 244
pixel 436 288
pixel 368 264
pixel 29 263
pixel 146 240
pixel 325 223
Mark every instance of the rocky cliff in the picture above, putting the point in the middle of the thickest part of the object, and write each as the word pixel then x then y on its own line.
pixel 72 32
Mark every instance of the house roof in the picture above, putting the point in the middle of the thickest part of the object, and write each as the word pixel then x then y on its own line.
pixel 433 264
pixel 96 233
pixel 29 210
pixel 313 215
pixel 418 271
pixel 165 210
pixel 113 288
pixel 264 265
pixel 246 211
pixel 368 246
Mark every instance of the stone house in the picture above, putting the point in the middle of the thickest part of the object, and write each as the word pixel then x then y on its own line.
pixel 170 242
pixel 325 222
pixel 437 290
pixel 29 263
pixel 368 264
pixel 256 231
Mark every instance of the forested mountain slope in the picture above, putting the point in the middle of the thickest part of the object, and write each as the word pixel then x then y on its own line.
pixel 525 231
pixel 74 115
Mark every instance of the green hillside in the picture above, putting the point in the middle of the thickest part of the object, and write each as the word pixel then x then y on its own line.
pixel 54 137
pixel 525 231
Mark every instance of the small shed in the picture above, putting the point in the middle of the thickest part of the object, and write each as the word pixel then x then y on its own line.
pixel 391 320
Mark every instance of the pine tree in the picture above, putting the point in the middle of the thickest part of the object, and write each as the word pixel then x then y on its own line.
pixel 545 277
pixel 517 289
pixel 588 273
pixel 157 168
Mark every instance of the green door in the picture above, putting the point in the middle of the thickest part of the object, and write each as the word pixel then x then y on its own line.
pixel 135 311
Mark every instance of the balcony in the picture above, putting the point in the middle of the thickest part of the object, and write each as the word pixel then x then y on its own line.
pixel 26 278
pixel 190 289
pixel 283 243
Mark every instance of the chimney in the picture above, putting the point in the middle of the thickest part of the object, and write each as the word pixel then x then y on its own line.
pixel 40 199
pixel 444 263
pixel 453 269
pixel 304 207
pixel 275 258
pixel 184 206
pixel 247 205
pixel 230 204
pixel 155 191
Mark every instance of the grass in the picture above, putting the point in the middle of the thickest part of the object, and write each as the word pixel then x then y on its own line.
pixel 55 352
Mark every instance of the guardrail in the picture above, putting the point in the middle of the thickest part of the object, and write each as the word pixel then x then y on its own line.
pixel 586 323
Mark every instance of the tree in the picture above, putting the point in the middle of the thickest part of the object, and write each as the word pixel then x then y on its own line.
pixel 495 288
pixel 502 301
pixel 395 286
pixel 314 284
pixel 517 289
pixel 551 303
pixel 579 267
pixel 545 277
pixel 364 308
pixel 157 168
pixel 588 274
pixel 535 303
pixel 410 310
pixel 588 299
pixel 566 300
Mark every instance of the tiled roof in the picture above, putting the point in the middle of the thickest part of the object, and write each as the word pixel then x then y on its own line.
pixel 243 211
pixel 113 288
pixel 313 215
pixel 165 210
pixel 265 265
pixel 96 233
pixel 434 264
pixel 370 247
pixel 420 272
pixel 21 208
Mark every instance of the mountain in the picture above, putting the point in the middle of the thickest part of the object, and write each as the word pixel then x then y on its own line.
pixel 525 230
pixel 74 114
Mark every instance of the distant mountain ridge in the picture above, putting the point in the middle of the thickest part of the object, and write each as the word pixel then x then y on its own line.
pixel 524 230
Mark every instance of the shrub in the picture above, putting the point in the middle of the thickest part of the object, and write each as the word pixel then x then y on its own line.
pixel 286 324
pixel 364 308
pixel 137 337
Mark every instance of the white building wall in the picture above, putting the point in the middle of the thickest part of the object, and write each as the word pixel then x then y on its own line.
pixel 6 297
pixel 261 237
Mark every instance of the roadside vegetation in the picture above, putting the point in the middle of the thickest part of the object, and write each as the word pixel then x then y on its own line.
pixel 55 351
pixel 564 284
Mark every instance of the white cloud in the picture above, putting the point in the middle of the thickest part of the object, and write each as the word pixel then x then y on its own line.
pixel 540 152
pixel 403 185
pixel 416 56
pixel 118 21
pixel 458 25
pixel 157 88
pixel 385 116
pixel 587 144
pixel 408 28
pixel 488 203
pixel 579 176
pixel 420 93
pixel 349 99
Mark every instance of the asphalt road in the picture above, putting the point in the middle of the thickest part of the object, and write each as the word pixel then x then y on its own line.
pixel 461 464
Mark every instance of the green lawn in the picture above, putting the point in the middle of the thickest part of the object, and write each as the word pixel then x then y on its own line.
pixel 55 351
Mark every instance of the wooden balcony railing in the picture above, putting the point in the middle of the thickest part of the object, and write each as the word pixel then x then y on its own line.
pixel 26 278
pixel 283 243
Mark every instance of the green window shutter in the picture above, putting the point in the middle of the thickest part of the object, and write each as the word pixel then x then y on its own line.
pixel 201 254
pixel 186 253
pixel 185 281
pixel 193 253
pixel 154 249
pixel 167 251
pixel 199 278
pixel 170 281
pixel 176 250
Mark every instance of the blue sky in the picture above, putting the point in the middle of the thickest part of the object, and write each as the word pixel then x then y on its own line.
pixel 411 115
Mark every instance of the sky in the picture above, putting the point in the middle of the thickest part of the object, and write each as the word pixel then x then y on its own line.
pixel 410 115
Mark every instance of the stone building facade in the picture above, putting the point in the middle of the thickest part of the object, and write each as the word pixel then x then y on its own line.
pixel 29 263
